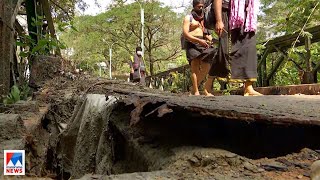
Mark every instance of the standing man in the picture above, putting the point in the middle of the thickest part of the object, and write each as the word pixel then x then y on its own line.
pixel 236 61
pixel 138 67
pixel 198 46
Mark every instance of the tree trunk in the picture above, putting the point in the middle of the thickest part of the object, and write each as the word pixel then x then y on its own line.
pixel 33 33
pixel 47 13
pixel 3 61
pixel 150 63
pixel 32 14
pixel 7 11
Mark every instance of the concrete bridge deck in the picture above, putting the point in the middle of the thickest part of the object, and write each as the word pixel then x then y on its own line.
pixel 275 109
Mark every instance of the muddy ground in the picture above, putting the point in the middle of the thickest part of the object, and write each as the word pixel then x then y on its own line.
pixel 182 144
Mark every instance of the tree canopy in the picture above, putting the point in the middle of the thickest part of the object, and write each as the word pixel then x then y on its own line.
pixel 288 16
pixel 280 17
pixel 120 27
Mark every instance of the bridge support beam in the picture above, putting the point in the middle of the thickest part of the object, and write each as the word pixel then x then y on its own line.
pixel 308 77
pixel 262 68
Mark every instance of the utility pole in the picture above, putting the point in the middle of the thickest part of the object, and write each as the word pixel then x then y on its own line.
pixel 142 31
pixel 110 61
pixel 142 27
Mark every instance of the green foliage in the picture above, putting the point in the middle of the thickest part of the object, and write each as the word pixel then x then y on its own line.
pixel 63 26
pixel 24 91
pixel 65 10
pixel 120 27
pixel 287 75
pixel 177 82
pixel 38 21
pixel 286 17
pixel 13 97
pixel 226 92
pixel 260 48
pixel 44 45
pixel 17 93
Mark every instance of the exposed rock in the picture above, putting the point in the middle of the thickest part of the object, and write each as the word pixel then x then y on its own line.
pixel 24 106
pixel 251 167
pixel 315 170
pixel 300 176
pixel 274 166
pixel 44 68
pixel 194 161
pixel 11 135
pixel 207 160
pixel 11 126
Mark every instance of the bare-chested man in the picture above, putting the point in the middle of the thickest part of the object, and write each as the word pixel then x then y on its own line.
pixel 198 49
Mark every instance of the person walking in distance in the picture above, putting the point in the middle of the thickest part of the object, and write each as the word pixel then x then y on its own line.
pixel 139 70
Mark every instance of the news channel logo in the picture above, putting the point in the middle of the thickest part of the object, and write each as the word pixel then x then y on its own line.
pixel 14 162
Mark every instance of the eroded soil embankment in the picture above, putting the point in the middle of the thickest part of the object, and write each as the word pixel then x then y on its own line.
pixel 101 141
pixel 73 140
